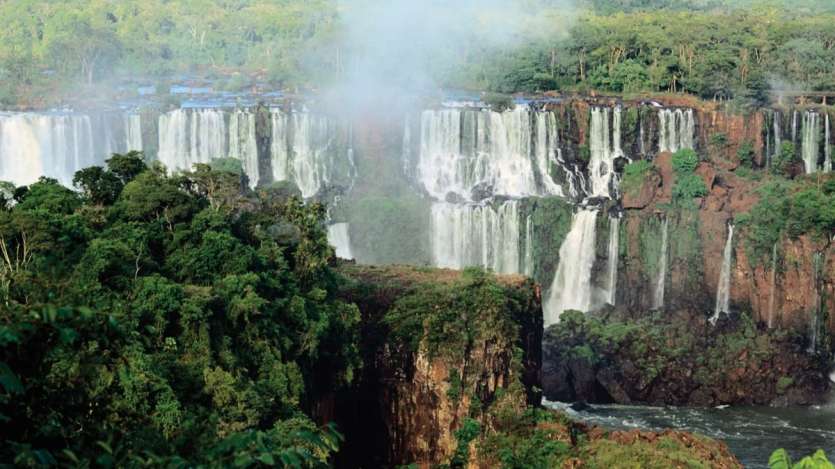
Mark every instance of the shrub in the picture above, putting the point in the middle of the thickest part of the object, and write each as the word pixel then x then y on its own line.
pixel 634 175
pixel 745 154
pixel 685 161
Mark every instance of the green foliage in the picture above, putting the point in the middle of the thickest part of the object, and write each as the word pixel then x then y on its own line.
pixel 745 154
pixel 688 185
pixel 780 459
pixel 158 321
pixel 498 102
pixel 469 431
pixel 788 209
pixel 785 160
pixel 685 161
pixel 634 175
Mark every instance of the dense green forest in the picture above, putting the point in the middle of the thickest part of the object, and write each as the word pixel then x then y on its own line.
pixel 154 320
pixel 712 48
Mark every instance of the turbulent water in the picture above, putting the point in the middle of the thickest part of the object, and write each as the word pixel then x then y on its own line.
pixel 572 287
pixel 723 290
pixel 604 148
pixel 751 433
pixel 477 235
pixel 475 153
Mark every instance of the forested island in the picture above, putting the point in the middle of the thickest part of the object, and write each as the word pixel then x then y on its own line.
pixel 361 234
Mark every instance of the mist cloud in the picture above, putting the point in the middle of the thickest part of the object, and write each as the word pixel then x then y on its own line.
pixel 401 47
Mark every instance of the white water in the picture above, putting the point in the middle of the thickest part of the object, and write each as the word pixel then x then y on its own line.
pixel 340 239
pixel 188 137
pixel 661 280
pixel 604 148
pixel 477 235
pixel 572 286
pixel 133 132
pixel 827 162
pixel 723 291
pixel 810 147
pixel 676 130
pixel 56 146
pixel 191 136
pixel 304 150
pixel 614 254
pixel 528 263
pixel 507 153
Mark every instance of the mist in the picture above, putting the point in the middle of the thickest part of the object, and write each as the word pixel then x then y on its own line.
pixel 400 49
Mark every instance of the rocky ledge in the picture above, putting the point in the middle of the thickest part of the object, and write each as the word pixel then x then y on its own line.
pixel 451 378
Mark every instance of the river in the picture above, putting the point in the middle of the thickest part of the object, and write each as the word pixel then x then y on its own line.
pixel 752 433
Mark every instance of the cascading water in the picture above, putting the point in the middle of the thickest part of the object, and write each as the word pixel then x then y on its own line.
pixel 676 129
pixel 242 143
pixel 827 162
pixel 133 132
pixel 191 136
pixel 304 150
pixel 661 280
pixel 815 319
pixel 614 255
pixel 476 154
pixel 604 148
pixel 810 147
pixel 572 286
pixel 778 135
pixel 56 146
pixel 340 239
pixel 477 235
pixel 723 291
pixel 529 262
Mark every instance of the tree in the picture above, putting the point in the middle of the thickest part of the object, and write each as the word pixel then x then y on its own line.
pixel 101 187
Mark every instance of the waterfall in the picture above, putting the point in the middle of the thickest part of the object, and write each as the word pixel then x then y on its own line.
pixel 723 291
pixel 794 127
pixel 827 162
pixel 810 145
pixel 572 288
pixel 304 150
pixel 340 239
pixel 661 280
pixel 188 137
pixel 604 148
pixel 815 326
pixel 56 146
pixel 773 293
pixel 614 255
pixel 676 129
pixel 191 136
pixel 133 132
pixel 475 154
pixel 243 145
pixel 476 235
pixel 778 136
pixel 529 267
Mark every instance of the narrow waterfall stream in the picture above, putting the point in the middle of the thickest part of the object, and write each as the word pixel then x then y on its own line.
pixel 723 291
pixel 340 239
pixel 572 287
pixel 614 256
pixel 661 280
pixel 810 145
pixel 827 162
pixel 529 262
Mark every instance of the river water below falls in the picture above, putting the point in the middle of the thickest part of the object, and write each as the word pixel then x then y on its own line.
pixel 752 433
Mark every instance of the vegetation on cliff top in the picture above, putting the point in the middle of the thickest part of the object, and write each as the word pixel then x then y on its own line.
pixel 661 362
pixel 166 320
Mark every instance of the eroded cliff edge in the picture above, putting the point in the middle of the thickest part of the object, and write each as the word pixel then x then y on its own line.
pixel 451 378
